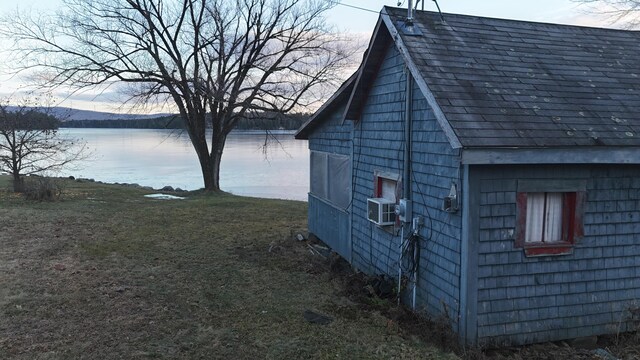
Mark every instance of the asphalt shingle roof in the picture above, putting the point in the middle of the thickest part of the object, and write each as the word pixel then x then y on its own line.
pixel 506 83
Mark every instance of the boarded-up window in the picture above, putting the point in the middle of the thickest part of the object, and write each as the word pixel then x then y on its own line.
pixel 386 186
pixel 331 178
pixel 319 176
pixel 339 180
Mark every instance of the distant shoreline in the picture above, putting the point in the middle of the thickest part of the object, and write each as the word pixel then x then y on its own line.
pixel 233 132
pixel 287 122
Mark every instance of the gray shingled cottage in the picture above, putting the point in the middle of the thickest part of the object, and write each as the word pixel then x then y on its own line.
pixel 512 149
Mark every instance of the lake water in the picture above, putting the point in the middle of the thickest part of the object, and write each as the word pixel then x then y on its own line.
pixel 157 158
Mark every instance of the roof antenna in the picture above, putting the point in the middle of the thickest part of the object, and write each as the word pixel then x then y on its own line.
pixel 439 11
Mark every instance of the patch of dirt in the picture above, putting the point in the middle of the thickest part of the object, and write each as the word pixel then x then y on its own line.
pixel 359 296
pixel 286 253
pixel 365 291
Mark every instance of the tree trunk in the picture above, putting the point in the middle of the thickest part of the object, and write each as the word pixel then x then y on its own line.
pixel 216 158
pixel 217 147
pixel 210 162
pixel 206 165
pixel 18 183
pixel 207 174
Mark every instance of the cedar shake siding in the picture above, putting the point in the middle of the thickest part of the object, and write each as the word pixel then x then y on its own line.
pixel 534 129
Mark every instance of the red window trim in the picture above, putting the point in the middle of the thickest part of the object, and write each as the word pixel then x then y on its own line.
pixel 572 226
pixel 377 190
pixel 377 186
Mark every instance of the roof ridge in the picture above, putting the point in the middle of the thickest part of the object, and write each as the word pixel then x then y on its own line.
pixel 445 14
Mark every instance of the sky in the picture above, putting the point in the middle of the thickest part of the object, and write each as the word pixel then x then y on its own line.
pixel 351 16
pixel 553 11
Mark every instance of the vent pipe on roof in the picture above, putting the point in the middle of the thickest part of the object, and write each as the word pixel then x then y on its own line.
pixel 407 27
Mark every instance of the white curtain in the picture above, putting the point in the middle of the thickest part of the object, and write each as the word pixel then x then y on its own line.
pixel 544 217
pixel 535 217
pixel 553 220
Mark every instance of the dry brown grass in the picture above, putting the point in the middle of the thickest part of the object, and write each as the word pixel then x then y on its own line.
pixel 107 273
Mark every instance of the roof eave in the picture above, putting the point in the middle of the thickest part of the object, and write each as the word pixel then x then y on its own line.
pixel 377 45
pixel 331 103
pixel 553 155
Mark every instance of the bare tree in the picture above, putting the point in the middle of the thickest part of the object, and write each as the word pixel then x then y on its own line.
pixel 30 143
pixel 216 61
pixel 623 12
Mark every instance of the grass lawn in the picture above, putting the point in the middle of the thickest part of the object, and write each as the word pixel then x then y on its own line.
pixel 107 273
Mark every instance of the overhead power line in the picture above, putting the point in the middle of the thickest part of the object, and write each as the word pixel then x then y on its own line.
pixel 358 7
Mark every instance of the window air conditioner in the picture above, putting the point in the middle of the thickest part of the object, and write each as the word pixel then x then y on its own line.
pixel 381 211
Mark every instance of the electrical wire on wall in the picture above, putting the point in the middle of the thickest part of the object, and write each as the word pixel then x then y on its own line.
pixel 357 130
pixel 357 157
pixel 413 238
pixel 426 207
pixel 410 240
pixel 411 252
pixel 356 160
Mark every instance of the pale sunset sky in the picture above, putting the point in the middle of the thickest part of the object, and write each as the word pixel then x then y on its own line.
pixel 351 16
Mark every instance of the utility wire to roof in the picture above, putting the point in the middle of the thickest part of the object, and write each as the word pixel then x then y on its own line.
pixel 400 3
pixel 358 7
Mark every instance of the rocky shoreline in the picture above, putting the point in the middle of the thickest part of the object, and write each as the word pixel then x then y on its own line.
pixel 167 188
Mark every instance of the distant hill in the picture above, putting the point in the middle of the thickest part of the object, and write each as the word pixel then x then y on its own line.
pixel 66 114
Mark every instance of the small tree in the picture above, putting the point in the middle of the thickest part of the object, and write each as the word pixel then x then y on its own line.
pixel 30 143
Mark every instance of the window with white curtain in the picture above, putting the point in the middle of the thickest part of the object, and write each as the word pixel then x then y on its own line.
pixel 544 217
pixel 549 215
pixel 549 223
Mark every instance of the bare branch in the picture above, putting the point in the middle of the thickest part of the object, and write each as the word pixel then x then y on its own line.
pixel 213 60
pixel 625 13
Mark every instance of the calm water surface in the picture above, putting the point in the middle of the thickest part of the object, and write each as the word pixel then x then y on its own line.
pixel 157 158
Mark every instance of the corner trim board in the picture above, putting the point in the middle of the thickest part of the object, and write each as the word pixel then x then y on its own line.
pixel 469 259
